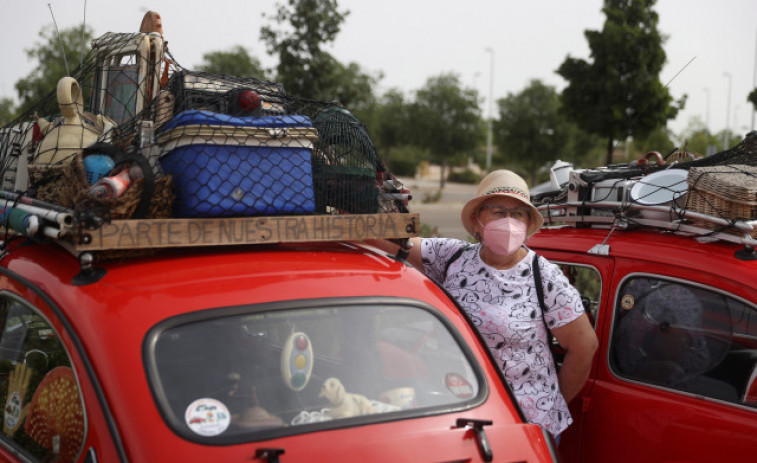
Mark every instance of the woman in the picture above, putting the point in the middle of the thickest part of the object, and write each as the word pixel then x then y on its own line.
pixel 494 282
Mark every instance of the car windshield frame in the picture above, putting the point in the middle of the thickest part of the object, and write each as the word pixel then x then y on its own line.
pixel 473 377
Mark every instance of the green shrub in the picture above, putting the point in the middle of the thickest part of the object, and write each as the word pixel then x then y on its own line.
pixel 402 167
pixel 465 176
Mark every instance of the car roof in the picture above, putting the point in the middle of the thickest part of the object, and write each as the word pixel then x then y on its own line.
pixel 648 244
pixel 200 278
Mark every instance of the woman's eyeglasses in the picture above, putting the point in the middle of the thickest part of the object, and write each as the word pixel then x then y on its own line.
pixel 495 210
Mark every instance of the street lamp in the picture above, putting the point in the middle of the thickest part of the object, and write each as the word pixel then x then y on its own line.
pixel 707 111
pixel 754 80
pixel 491 105
pixel 728 113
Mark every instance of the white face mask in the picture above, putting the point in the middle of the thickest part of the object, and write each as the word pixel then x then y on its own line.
pixel 504 236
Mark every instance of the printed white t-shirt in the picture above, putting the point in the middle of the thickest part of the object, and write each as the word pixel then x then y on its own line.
pixel 505 309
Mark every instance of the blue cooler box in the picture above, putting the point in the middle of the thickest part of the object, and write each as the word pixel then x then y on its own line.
pixel 226 166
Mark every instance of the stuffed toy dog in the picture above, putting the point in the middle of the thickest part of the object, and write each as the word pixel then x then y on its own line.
pixel 345 404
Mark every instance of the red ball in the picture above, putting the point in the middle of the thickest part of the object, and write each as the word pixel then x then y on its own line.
pixel 248 100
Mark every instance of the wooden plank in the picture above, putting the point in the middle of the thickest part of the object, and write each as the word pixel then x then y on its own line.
pixel 164 233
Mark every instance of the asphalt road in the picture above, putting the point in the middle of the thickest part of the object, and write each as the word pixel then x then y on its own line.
pixel 442 215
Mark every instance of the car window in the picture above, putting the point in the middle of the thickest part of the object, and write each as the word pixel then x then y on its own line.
pixel 43 412
pixel 242 376
pixel 685 337
pixel 588 282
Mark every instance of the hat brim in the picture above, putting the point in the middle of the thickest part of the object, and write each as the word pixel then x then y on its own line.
pixel 471 207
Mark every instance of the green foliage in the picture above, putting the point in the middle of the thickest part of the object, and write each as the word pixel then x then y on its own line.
pixel 392 121
pixel 446 119
pixel 351 86
pixel 43 80
pixel 401 166
pixel 659 140
pixel 428 232
pixel 7 110
pixel 464 176
pixel 696 137
pixel 403 160
pixel 532 131
pixel 234 62
pixel 619 94
pixel 752 98
pixel 298 35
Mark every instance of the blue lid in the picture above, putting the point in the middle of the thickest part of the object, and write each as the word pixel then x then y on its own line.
pixel 197 117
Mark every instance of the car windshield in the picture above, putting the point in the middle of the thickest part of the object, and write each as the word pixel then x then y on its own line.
pixel 241 375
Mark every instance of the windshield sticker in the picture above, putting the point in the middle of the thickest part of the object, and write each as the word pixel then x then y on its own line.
pixel 207 417
pixel 13 410
pixel 458 386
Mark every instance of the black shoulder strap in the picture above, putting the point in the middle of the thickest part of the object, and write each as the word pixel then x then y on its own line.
pixel 454 257
pixel 540 291
pixel 540 295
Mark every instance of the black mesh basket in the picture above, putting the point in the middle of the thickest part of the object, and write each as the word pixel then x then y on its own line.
pixel 226 94
pixel 344 164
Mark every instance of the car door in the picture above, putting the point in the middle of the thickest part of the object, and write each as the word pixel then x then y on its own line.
pixel 590 274
pixel 51 410
pixel 673 374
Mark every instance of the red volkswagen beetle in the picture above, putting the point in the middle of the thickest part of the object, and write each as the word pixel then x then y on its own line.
pixel 673 296
pixel 290 353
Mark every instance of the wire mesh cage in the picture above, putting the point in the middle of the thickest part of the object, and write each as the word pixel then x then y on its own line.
pixel 345 164
pixel 203 144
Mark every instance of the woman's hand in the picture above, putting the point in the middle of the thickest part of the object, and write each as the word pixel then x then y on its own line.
pixel 580 342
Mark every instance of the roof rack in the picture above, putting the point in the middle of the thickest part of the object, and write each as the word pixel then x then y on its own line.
pixel 87 238
pixel 706 200
pixel 37 219
pixel 625 215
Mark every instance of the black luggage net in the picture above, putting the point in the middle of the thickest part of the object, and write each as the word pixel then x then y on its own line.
pixel 189 144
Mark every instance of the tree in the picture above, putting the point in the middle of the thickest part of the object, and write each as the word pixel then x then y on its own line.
pixel 300 31
pixel 531 130
pixel 752 98
pixel 447 119
pixel 7 110
pixel 697 139
pixel 392 120
pixel 352 87
pixel 43 80
pixel 388 123
pixel 619 94
pixel 659 140
pixel 234 62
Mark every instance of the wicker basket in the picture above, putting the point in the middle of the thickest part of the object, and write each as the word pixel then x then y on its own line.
pixel 60 183
pixel 66 185
pixel 728 192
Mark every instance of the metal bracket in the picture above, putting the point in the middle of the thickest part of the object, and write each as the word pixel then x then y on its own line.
pixel 88 272
pixel 748 253
pixel 404 250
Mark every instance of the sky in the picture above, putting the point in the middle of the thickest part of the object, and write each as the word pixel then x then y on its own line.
pixel 494 46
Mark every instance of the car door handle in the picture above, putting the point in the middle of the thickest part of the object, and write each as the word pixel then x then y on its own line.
pixel 269 455
pixel 478 427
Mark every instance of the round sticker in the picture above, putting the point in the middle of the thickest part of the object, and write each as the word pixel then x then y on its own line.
pixel 207 417
pixel 12 410
pixel 458 386
pixel 627 302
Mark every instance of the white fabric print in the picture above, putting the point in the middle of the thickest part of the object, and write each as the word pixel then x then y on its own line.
pixel 505 309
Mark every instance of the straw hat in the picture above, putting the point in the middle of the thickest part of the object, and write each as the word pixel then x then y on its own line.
pixel 501 183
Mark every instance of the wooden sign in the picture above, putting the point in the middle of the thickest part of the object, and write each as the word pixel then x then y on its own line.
pixel 164 233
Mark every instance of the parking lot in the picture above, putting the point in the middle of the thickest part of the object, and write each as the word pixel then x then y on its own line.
pixel 443 215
